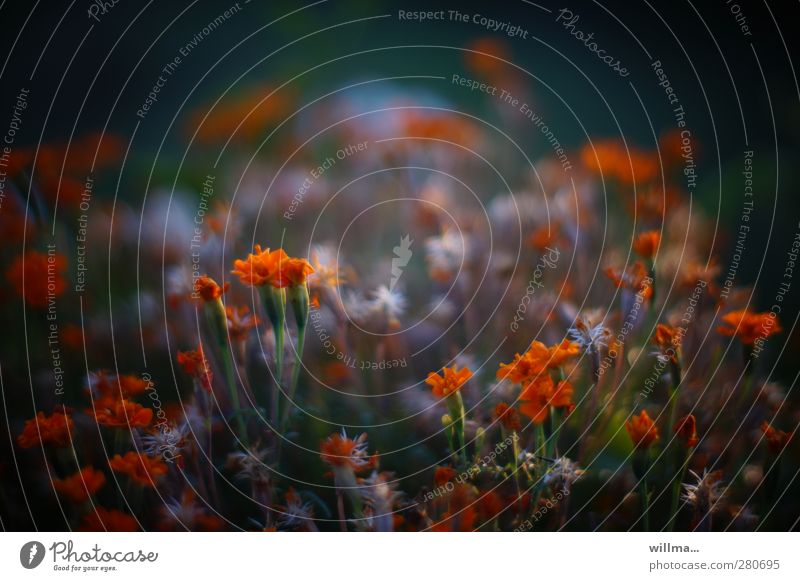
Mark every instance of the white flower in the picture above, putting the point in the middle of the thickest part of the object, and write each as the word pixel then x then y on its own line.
pixel 445 253
pixel 705 495
pixel 590 337
pixel 296 513
pixel 167 440
pixel 391 302
pixel 326 267
pixel 563 472
pixel 380 495
pixel 356 305
pixel 250 465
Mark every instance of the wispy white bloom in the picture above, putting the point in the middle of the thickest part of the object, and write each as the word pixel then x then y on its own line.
pixel 380 495
pixel 563 473
pixel 705 495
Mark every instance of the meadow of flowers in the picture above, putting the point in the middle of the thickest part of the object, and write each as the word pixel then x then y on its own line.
pixel 386 318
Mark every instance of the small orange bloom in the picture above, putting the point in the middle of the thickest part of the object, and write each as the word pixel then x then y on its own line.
pixel 54 430
pixel 537 359
pixel 449 382
pixel 536 398
pixel 749 327
pixel 262 267
pixel 81 485
pixel 646 244
pixel 140 468
pixel 562 396
pixel 558 354
pixel 637 279
pixel 507 416
pixel 776 439
pixel 207 289
pixel 668 341
pixel 120 413
pixel 443 475
pixel 686 429
pixel 275 268
pixel 614 159
pixel 240 321
pixel 296 271
pixel 341 452
pixel 195 364
pixel 42 276
pixel 642 430
pixel 113 521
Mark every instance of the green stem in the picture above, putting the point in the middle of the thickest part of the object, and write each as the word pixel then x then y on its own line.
pixel 676 490
pixel 645 504
pixel 455 404
pixel 301 340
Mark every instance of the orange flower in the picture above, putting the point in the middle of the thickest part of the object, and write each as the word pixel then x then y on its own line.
pixel 562 396
pixel 262 267
pixel 749 327
pixel 537 359
pixel 195 364
pixel 110 388
pixel 558 354
pixel 525 367
pixel 642 430
pixel 296 271
pixel 668 341
pixel 42 275
pixel 776 439
pixel 636 279
pixel 275 268
pixel 207 289
pixel 646 244
pixel 81 485
pixel 120 413
pixel 612 158
pixel 449 382
pixel 485 55
pixel 113 521
pixel 535 398
pixel 341 452
pixel 240 321
pixel 686 429
pixel 443 475
pixel 140 468
pixel 507 416
pixel 54 430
